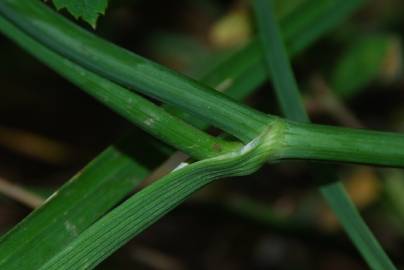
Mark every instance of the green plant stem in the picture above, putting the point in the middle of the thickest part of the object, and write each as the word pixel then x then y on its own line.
pixel 317 142
pixel 240 121
pixel 143 75
pixel 138 110
pixel 131 70
pixel 245 70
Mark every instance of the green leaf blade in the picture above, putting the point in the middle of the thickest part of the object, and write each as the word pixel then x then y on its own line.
pixel 288 94
pixel 279 66
pixel 357 230
pixel 148 205
pixel 70 210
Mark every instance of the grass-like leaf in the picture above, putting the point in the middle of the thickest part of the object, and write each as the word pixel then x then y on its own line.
pixel 148 205
pixel 356 228
pixel 71 210
pixel 277 61
pixel 291 105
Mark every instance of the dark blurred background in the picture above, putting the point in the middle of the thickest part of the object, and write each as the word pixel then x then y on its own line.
pixel 274 219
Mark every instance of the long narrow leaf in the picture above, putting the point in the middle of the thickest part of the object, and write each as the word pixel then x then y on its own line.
pixel 277 61
pixel 356 228
pixel 291 105
pixel 71 210
pixel 148 205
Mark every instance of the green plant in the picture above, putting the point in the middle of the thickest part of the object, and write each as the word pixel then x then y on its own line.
pixel 292 106
pixel 115 76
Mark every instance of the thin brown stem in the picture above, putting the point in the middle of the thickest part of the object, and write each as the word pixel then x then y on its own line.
pixel 20 194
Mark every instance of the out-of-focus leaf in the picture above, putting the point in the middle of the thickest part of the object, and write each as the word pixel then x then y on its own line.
pixel 367 59
pixel 285 8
